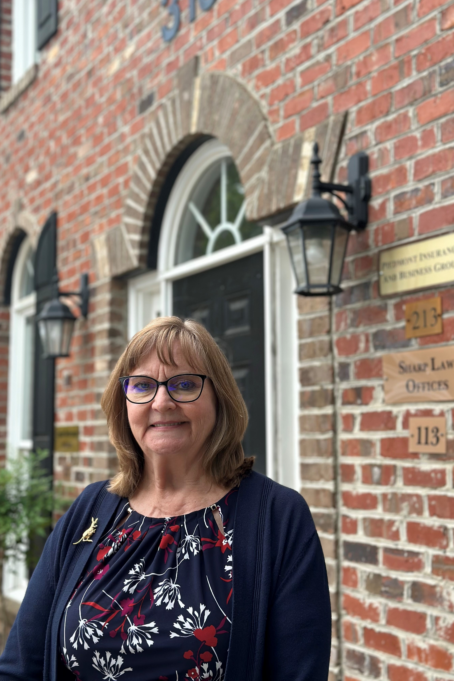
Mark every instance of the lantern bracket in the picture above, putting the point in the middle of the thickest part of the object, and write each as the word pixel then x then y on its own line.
pixel 82 293
pixel 358 190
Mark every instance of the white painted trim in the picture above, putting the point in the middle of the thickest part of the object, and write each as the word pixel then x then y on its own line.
pixel 23 37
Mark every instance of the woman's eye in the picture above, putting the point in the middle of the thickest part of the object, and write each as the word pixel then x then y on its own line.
pixel 142 387
pixel 184 385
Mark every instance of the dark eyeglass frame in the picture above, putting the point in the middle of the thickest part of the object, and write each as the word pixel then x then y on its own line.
pixel 122 380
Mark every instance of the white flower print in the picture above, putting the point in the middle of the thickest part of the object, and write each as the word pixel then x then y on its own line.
pixel 85 631
pixel 110 667
pixel 168 592
pixel 229 567
pixel 189 544
pixel 187 625
pixel 139 634
pixel 138 575
pixel 229 538
pixel 70 662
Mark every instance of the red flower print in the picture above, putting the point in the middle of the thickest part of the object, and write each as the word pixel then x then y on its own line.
pixel 193 674
pixel 174 528
pixel 100 572
pixel 128 606
pixel 166 540
pixel 136 534
pixel 206 657
pixel 188 654
pixel 103 552
pixel 139 619
pixel 207 635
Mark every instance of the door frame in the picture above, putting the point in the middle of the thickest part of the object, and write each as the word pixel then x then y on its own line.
pixel 150 295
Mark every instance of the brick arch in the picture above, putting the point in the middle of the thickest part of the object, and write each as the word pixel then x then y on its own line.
pixel 216 104
pixel 22 224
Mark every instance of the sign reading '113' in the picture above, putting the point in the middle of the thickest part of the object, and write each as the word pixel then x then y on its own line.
pixel 169 32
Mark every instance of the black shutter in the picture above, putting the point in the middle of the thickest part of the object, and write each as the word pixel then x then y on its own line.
pixel 47 21
pixel 44 369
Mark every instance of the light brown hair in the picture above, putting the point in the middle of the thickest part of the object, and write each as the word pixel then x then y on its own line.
pixel 223 458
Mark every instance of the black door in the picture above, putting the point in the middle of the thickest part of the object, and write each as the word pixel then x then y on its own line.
pixel 228 301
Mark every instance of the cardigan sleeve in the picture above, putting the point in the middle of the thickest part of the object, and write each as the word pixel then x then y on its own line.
pixel 298 637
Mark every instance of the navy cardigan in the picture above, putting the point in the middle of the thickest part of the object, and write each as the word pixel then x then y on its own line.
pixel 281 626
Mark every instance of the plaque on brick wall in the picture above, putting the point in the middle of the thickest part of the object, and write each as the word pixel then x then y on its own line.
pixel 427 434
pixel 423 264
pixel 419 375
pixel 66 439
pixel 423 318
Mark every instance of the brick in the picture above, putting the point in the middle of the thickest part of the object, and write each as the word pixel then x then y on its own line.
pixel 349 525
pixel 373 474
pixel 427 6
pixel 360 553
pixel 350 345
pixel 434 53
pixel 378 420
pixel 344 5
pixel 350 631
pixel 443 566
pixel 434 163
pixel 366 15
pixel 368 368
pixel 384 586
pixel 416 477
pixel 362 395
pixel 314 116
pixel 357 447
pixel 347 472
pixel 427 535
pixel 392 127
pixel 315 72
pixel 408 620
pixel 447 19
pixel 282 45
pixel 399 673
pixel 405 561
pixel 296 12
pixel 378 527
pixel 363 663
pixel 286 130
pixel 444 627
pixel 408 504
pixel 335 33
pixel 267 77
pixel 436 107
pixel 396 448
pixel 364 501
pixel 429 655
pixel 281 92
pixel 378 108
pixel 268 33
pixel 350 577
pixel 385 79
pixel 251 65
pixel 355 607
pixel 296 104
pixel 317 471
pixel 415 198
pixel 429 594
pixel 350 98
pixel 373 61
pixel 393 24
pixel 383 641
pixel 313 24
pixel 436 218
pixel 446 73
pixel 414 91
pixel 276 6
pixel 416 37
pixel 353 47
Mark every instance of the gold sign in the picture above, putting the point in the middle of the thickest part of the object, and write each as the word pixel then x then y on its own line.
pixel 423 318
pixel 427 434
pixel 66 439
pixel 421 264
pixel 419 376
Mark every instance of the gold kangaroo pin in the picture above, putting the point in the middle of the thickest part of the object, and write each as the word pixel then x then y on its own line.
pixel 88 533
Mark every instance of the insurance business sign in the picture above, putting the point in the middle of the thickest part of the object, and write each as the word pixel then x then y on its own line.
pixel 419 376
pixel 422 264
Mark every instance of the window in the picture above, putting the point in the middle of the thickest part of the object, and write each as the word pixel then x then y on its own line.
pixel 24 37
pixel 20 384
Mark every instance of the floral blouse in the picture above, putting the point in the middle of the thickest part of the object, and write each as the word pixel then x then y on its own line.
pixel 155 602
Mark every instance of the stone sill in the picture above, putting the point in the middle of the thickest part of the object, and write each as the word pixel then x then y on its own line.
pixel 10 96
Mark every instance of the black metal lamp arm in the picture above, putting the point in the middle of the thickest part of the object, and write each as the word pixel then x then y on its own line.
pixel 82 293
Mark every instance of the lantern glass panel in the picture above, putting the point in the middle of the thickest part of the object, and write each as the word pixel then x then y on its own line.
pixel 317 243
pixel 56 336
pixel 295 246
pixel 340 245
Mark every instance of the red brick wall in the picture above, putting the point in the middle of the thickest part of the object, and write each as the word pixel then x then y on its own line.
pixel 5 44
pixel 70 143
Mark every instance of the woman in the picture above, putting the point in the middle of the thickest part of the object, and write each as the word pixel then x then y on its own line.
pixel 187 565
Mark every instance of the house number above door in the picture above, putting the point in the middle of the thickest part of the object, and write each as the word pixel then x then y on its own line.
pixel 169 32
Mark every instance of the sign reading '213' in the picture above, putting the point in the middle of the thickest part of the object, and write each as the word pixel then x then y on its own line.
pixel 169 32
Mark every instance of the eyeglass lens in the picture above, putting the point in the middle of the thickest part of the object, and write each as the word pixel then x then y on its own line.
pixel 184 388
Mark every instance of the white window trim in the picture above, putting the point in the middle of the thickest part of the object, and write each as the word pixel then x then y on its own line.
pixel 150 295
pixel 23 38
pixel 15 579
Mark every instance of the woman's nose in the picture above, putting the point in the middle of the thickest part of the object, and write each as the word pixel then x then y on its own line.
pixel 162 399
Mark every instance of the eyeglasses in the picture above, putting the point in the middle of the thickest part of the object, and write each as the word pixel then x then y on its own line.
pixel 181 388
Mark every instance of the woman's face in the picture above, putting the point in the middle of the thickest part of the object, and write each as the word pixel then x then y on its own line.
pixel 164 427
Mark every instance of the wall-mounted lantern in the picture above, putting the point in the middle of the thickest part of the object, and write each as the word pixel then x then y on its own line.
pixel 56 321
pixel 317 233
